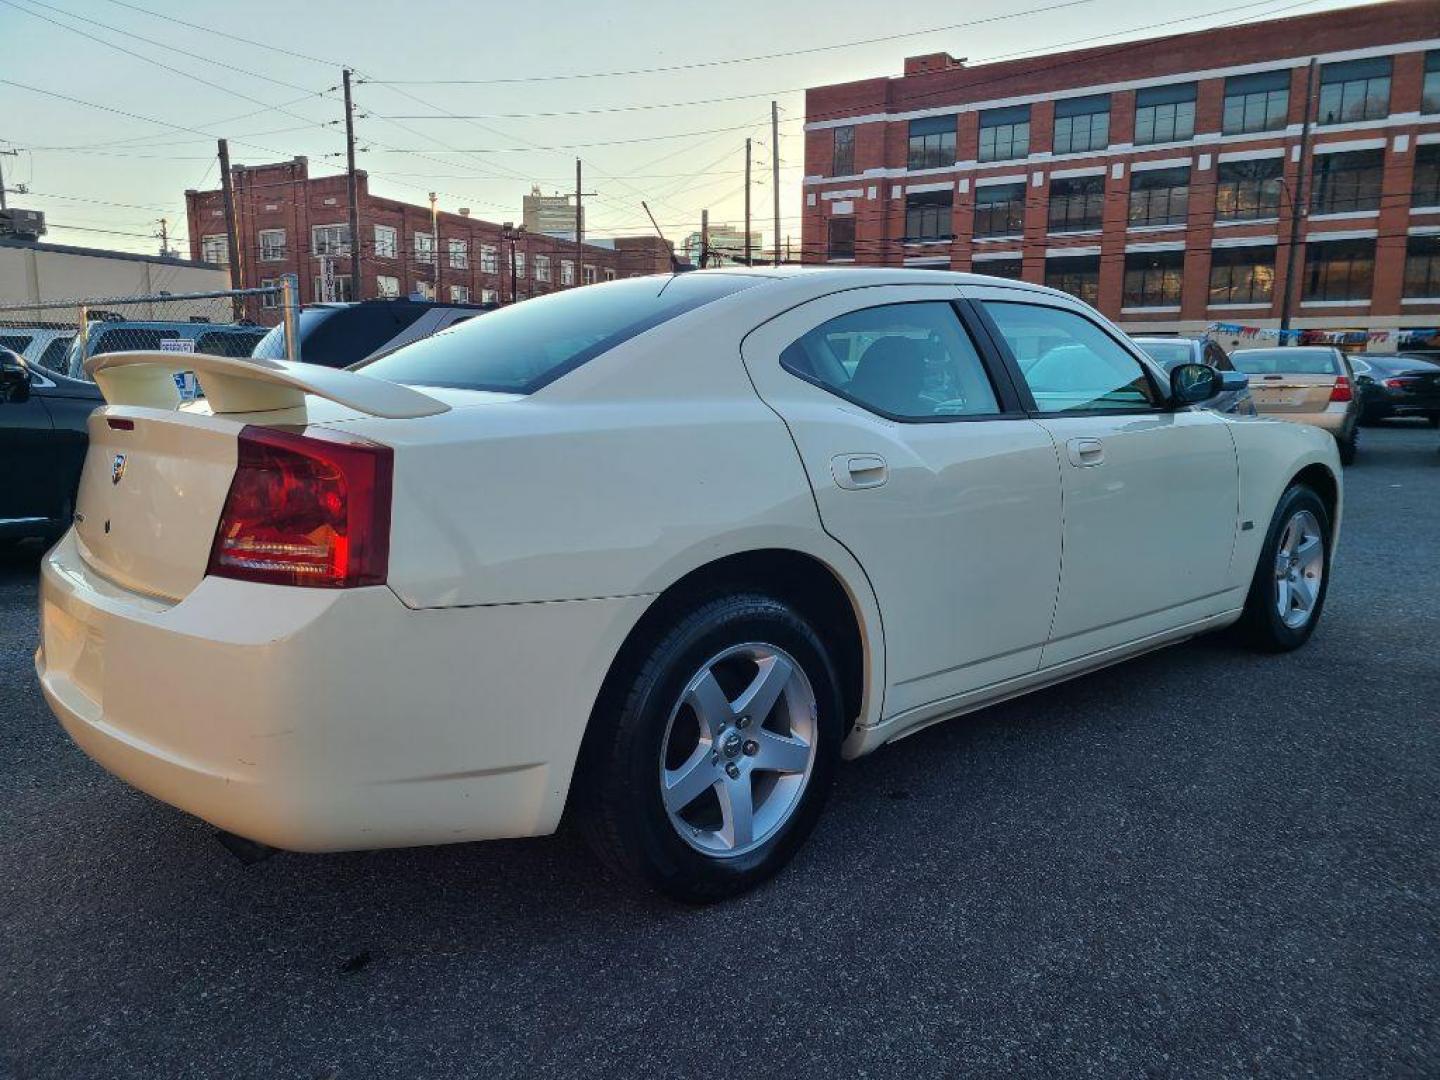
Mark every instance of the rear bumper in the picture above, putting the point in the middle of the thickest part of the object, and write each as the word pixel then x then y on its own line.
pixel 1339 418
pixel 324 720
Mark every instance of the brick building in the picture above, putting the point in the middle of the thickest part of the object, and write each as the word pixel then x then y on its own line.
pixel 1154 178
pixel 290 223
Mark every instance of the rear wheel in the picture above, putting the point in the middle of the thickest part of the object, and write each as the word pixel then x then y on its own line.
pixel 1287 593
pixel 715 766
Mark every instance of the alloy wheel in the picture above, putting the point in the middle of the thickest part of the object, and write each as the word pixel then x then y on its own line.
pixel 1299 569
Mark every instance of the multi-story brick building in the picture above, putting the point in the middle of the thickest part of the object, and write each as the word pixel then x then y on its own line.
pixel 1154 178
pixel 291 223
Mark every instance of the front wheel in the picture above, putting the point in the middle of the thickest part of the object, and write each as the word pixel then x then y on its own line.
pixel 1287 593
pixel 715 765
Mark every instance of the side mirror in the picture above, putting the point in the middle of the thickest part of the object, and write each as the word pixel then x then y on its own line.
pixel 1191 384
pixel 14 378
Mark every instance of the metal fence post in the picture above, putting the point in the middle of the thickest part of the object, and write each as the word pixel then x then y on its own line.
pixel 289 290
pixel 83 332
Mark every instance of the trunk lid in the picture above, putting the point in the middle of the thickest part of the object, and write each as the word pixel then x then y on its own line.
pixel 1291 393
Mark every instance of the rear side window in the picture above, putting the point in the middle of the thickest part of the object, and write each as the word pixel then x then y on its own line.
pixel 15 343
pixel 907 361
pixel 54 355
pixel 518 349
pixel 1290 361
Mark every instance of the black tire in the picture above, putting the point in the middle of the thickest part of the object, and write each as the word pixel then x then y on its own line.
pixel 1261 625
pixel 1433 419
pixel 619 806
pixel 1349 447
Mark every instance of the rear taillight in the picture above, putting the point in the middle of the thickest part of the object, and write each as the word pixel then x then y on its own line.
pixel 311 509
pixel 1397 384
pixel 1341 392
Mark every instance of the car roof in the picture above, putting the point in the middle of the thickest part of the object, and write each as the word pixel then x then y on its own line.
pixel 805 282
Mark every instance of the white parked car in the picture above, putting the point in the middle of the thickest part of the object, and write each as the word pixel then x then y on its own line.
pixel 661 551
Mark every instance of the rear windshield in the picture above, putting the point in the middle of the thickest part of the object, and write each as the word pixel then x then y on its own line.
pixel 1296 361
pixel 519 349
pixel 1168 353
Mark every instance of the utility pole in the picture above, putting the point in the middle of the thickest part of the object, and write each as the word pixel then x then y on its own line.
pixel 704 237
pixel 775 170
pixel 579 229
pixel 237 275
pixel 164 239
pixel 351 192
pixel 1297 205
pixel 435 243
pixel 747 202
pixel 20 189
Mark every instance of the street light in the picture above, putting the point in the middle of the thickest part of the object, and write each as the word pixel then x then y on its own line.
pixel 513 233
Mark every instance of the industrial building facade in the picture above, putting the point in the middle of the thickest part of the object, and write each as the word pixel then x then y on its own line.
pixel 1155 179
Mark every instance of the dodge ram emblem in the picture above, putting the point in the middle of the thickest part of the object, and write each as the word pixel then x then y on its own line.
pixel 117 469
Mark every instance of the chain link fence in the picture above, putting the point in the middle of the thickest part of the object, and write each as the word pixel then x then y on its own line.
pixel 60 335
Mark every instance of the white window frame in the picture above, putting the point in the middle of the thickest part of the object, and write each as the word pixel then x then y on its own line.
pixel 424 244
pixel 426 289
pixel 330 239
pixel 542 267
pixel 592 273
pixel 387 242
pixel 489 296
pixel 270 301
pixel 460 294
pixel 270 249
pixel 567 272
pixel 609 274
pixel 215 248
pixel 342 289
pixel 384 292
pixel 458 251
pixel 519 264
pixel 489 259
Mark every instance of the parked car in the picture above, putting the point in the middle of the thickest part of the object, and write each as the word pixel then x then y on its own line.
pixel 1307 384
pixel 663 550
pixel 338 335
pixel 1171 352
pixel 126 335
pixel 42 445
pixel 1391 384
pixel 45 345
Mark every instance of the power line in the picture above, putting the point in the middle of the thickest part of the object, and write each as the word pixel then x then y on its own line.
pixel 268 46
pixel 590 112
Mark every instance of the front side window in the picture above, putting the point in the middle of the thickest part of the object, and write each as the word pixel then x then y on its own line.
pixel 932 143
pixel 1426 187
pixel 910 361
pixel 1082 124
pixel 520 348
pixel 1422 266
pixel 1339 269
pixel 1430 89
pixel 1258 102
pixel 842 159
pixel 1248 190
pixel 272 245
pixel 1077 275
pixel 1242 275
pixel 1345 183
pixel 927 215
pixel 841 238
pixel 386 242
pixel 1153 278
pixel 1000 210
pixel 1159 196
pixel 330 239
pixel 1069 363
pixel 1004 133
pixel 1077 204
pixel 1164 114
pixel 1355 90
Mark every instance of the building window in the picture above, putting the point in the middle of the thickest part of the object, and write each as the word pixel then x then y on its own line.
pixel 1246 190
pixel 590 275
pixel 459 294
pixel 1346 183
pixel 386 242
pixel 1082 124
pixel 330 240
pixel 1153 278
pixel 426 289
pixel 1000 210
pixel 567 272
pixel 489 263
pixel 1077 275
pixel 1259 102
pixel 424 247
pixel 272 245
pixel 1426 189
pixel 932 143
pixel 1164 114
pixel 1159 196
pixel 609 274
pixel 1002 268
pixel 1422 266
pixel 1355 90
pixel 387 287
pixel 927 215
pixel 215 249
pixel 1242 275
pixel 1430 91
pixel 542 267
pixel 840 242
pixel 1004 133
pixel 489 296
pixel 1339 269
pixel 270 300
pixel 459 254
pixel 342 293
pixel 842 157
pixel 519 264
pixel 1077 204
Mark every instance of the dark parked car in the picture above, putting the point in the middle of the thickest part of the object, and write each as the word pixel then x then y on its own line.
pixel 1171 352
pixel 338 335
pixel 42 443
pixel 1394 384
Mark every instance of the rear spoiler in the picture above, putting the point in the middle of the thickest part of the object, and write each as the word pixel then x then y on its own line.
pixel 250 384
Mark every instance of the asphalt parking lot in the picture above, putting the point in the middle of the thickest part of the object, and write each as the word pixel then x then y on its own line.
pixel 1200 863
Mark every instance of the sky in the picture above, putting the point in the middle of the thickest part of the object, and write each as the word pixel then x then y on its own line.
pixel 478 101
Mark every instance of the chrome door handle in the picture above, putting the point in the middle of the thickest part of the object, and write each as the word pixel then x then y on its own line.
pixel 855 471
pixel 1083 453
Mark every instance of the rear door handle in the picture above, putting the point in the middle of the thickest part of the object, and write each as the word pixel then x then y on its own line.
pixel 1083 453
pixel 855 471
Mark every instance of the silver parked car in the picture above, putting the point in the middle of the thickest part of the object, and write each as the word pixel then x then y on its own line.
pixel 1170 352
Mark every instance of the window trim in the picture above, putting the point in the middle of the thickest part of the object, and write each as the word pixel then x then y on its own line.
pixel 1011 405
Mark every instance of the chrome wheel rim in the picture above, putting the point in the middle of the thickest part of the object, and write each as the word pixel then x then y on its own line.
pixel 738 750
pixel 1299 569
